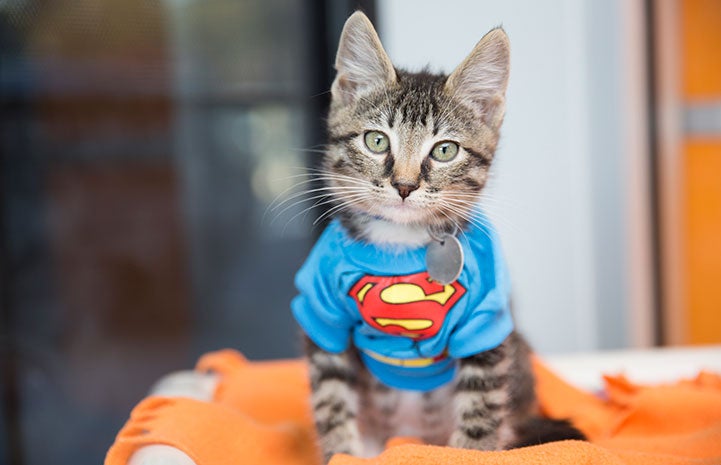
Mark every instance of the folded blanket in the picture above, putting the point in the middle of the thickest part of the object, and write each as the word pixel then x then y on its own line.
pixel 261 414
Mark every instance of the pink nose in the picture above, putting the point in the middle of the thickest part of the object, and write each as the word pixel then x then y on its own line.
pixel 404 189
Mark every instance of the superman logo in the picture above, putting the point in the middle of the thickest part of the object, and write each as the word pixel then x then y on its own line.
pixel 412 305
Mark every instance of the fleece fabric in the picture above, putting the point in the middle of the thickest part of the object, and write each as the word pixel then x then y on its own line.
pixel 261 414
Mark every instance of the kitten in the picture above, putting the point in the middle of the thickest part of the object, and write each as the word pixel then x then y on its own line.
pixel 391 350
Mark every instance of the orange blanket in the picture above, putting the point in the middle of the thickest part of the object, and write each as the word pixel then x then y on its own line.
pixel 260 414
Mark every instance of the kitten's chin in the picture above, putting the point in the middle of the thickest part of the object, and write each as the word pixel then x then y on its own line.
pixel 404 214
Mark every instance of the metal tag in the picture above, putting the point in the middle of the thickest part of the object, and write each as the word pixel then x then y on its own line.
pixel 444 259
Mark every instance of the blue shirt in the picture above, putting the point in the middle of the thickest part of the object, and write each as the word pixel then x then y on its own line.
pixel 409 329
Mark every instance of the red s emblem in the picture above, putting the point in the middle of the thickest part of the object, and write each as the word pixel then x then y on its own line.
pixel 412 305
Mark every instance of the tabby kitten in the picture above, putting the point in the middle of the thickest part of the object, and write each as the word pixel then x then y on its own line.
pixel 393 351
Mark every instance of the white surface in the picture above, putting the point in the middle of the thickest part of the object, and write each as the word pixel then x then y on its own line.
pixel 190 384
pixel 561 184
pixel 160 455
pixel 652 366
pixel 186 384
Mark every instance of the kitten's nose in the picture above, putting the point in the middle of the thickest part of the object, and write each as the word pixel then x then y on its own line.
pixel 404 189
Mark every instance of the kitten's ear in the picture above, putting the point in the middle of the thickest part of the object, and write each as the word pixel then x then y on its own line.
pixel 481 80
pixel 361 62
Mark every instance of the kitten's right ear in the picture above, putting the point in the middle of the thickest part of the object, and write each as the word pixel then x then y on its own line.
pixel 481 80
pixel 361 62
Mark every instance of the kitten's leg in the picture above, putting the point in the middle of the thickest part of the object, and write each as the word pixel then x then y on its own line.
pixel 437 420
pixel 334 383
pixel 480 401
pixel 379 407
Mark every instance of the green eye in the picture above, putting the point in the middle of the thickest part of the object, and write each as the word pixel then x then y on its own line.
pixel 444 151
pixel 377 142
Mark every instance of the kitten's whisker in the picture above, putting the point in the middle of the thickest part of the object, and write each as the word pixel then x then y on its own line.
pixel 320 151
pixel 272 205
pixel 453 222
pixel 347 180
pixel 328 175
pixel 331 190
pixel 319 203
pixel 324 200
pixel 318 94
pixel 347 202
pixel 466 215
pixel 303 212
pixel 300 202
pixel 338 209
pixel 498 219
pixel 353 191
pixel 481 220
pixel 277 198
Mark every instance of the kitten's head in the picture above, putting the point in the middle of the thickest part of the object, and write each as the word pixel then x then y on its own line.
pixel 411 149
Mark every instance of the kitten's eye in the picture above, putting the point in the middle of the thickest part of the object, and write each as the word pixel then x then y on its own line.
pixel 377 142
pixel 444 151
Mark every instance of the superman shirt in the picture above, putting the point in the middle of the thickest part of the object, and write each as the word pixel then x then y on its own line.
pixel 409 330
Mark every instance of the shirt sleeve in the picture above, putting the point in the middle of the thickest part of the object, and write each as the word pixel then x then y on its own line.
pixel 318 308
pixel 484 329
pixel 488 320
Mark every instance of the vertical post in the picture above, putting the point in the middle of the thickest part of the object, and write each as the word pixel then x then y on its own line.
pixel 670 171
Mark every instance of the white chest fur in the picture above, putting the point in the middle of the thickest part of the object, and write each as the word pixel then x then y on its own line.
pixel 386 233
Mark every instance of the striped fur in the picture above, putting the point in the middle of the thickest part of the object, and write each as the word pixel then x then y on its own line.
pixel 488 403
pixel 491 403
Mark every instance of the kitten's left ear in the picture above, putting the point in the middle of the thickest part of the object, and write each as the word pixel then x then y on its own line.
pixel 361 62
pixel 481 80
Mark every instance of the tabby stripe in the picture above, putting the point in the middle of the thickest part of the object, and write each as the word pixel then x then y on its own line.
pixel 476 432
pixel 426 169
pixel 326 426
pixel 481 412
pixel 478 157
pixel 481 384
pixel 333 373
pixel 489 358
pixel 435 115
pixel 343 138
pixel 404 113
pixel 335 404
pixel 356 157
pixel 472 184
pixel 388 163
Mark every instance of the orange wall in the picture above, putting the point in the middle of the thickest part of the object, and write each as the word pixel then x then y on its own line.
pixel 701 78
pixel 703 235
pixel 701 49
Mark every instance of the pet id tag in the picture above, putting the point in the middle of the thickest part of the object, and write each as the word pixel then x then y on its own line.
pixel 444 258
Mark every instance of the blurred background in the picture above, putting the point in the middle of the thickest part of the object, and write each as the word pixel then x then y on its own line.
pixel 145 146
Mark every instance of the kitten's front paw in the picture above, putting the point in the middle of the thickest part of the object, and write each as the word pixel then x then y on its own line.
pixel 342 440
pixel 351 451
pixel 466 440
pixel 355 449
